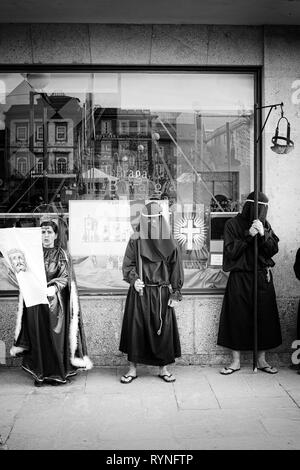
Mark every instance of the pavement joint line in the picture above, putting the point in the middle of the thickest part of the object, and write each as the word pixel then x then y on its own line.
pixel 260 420
pixel 289 395
pixel 214 393
pixel 85 382
pixel 5 443
pixel 176 399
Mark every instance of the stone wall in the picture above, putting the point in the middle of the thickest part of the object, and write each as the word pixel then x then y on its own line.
pixel 198 319
pixel 92 44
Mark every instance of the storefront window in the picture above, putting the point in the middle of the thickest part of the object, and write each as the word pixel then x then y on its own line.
pixel 118 139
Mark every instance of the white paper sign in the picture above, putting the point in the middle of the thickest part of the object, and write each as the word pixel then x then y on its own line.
pixel 23 251
pixel 99 227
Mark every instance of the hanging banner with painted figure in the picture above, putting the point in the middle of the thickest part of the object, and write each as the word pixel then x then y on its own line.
pixel 23 253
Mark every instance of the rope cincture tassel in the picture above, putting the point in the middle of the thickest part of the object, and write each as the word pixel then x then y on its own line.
pixel 160 318
pixel 160 304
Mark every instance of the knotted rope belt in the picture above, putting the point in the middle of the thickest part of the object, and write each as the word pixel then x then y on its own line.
pixel 160 286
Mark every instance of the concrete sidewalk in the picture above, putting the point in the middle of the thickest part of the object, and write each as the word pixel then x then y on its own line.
pixel 201 410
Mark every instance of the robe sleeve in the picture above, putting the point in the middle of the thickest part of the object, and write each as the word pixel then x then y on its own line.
pixel 129 267
pixel 297 264
pixel 234 246
pixel 176 275
pixel 62 278
pixel 268 244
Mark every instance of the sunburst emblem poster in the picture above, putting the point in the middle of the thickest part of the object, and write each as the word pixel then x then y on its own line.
pixel 190 231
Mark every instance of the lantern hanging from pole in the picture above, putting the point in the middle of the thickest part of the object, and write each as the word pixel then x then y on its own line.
pixel 282 144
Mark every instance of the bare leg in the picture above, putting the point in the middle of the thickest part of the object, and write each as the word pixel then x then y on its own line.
pixel 132 369
pixel 263 364
pixel 165 374
pixel 234 365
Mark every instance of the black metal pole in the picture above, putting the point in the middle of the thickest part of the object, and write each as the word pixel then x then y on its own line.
pixel 255 264
pixel 256 139
pixel 31 137
pixel 45 152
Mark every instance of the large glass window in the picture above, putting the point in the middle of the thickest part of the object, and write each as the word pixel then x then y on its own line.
pixel 113 139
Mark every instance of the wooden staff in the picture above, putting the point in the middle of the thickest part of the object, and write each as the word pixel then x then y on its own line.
pixel 140 266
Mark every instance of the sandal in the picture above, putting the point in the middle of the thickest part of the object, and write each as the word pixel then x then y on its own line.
pixel 229 369
pixel 268 369
pixel 127 379
pixel 167 377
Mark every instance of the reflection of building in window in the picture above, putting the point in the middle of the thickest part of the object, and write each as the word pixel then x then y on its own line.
pixel 106 168
pixel 61 165
pixel 123 127
pixel 21 132
pixel 61 132
pixel 64 127
pixel 106 127
pixel 106 148
pixel 220 203
pixel 123 147
pixel 142 127
pixel 39 165
pixel 161 151
pixel 22 165
pixel 39 132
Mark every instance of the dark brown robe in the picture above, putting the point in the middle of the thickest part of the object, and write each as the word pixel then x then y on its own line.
pixel 149 330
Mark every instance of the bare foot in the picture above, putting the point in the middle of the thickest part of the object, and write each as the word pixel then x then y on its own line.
pixel 166 375
pixel 233 367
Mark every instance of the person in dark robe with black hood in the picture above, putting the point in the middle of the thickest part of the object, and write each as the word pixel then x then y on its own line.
pixel 236 320
pixel 152 266
pixel 297 274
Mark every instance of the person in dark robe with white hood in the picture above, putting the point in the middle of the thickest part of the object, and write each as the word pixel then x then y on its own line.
pixel 236 321
pixel 153 267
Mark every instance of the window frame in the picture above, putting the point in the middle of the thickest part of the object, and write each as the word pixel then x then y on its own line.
pixel 39 132
pixel 62 125
pixel 167 69
pixel 120 130
pixel 23 161
pixel 61 159
pixel 21 125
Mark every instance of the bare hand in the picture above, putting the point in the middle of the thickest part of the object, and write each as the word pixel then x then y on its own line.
pixel 138 285
pixel 257 224
pixel 51 291
pixel 253 231
pixel 172 303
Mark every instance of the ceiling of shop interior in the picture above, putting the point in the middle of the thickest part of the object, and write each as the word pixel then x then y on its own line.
pixel 239 12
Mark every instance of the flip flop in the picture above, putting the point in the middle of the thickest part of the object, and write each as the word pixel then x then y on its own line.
pixel 268 369
pixel 167 377
pixel 130 377
pixel 230 371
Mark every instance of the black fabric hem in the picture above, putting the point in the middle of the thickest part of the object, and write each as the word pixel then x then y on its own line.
pixel 249 348
pixel 151 362
pixel 43 379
